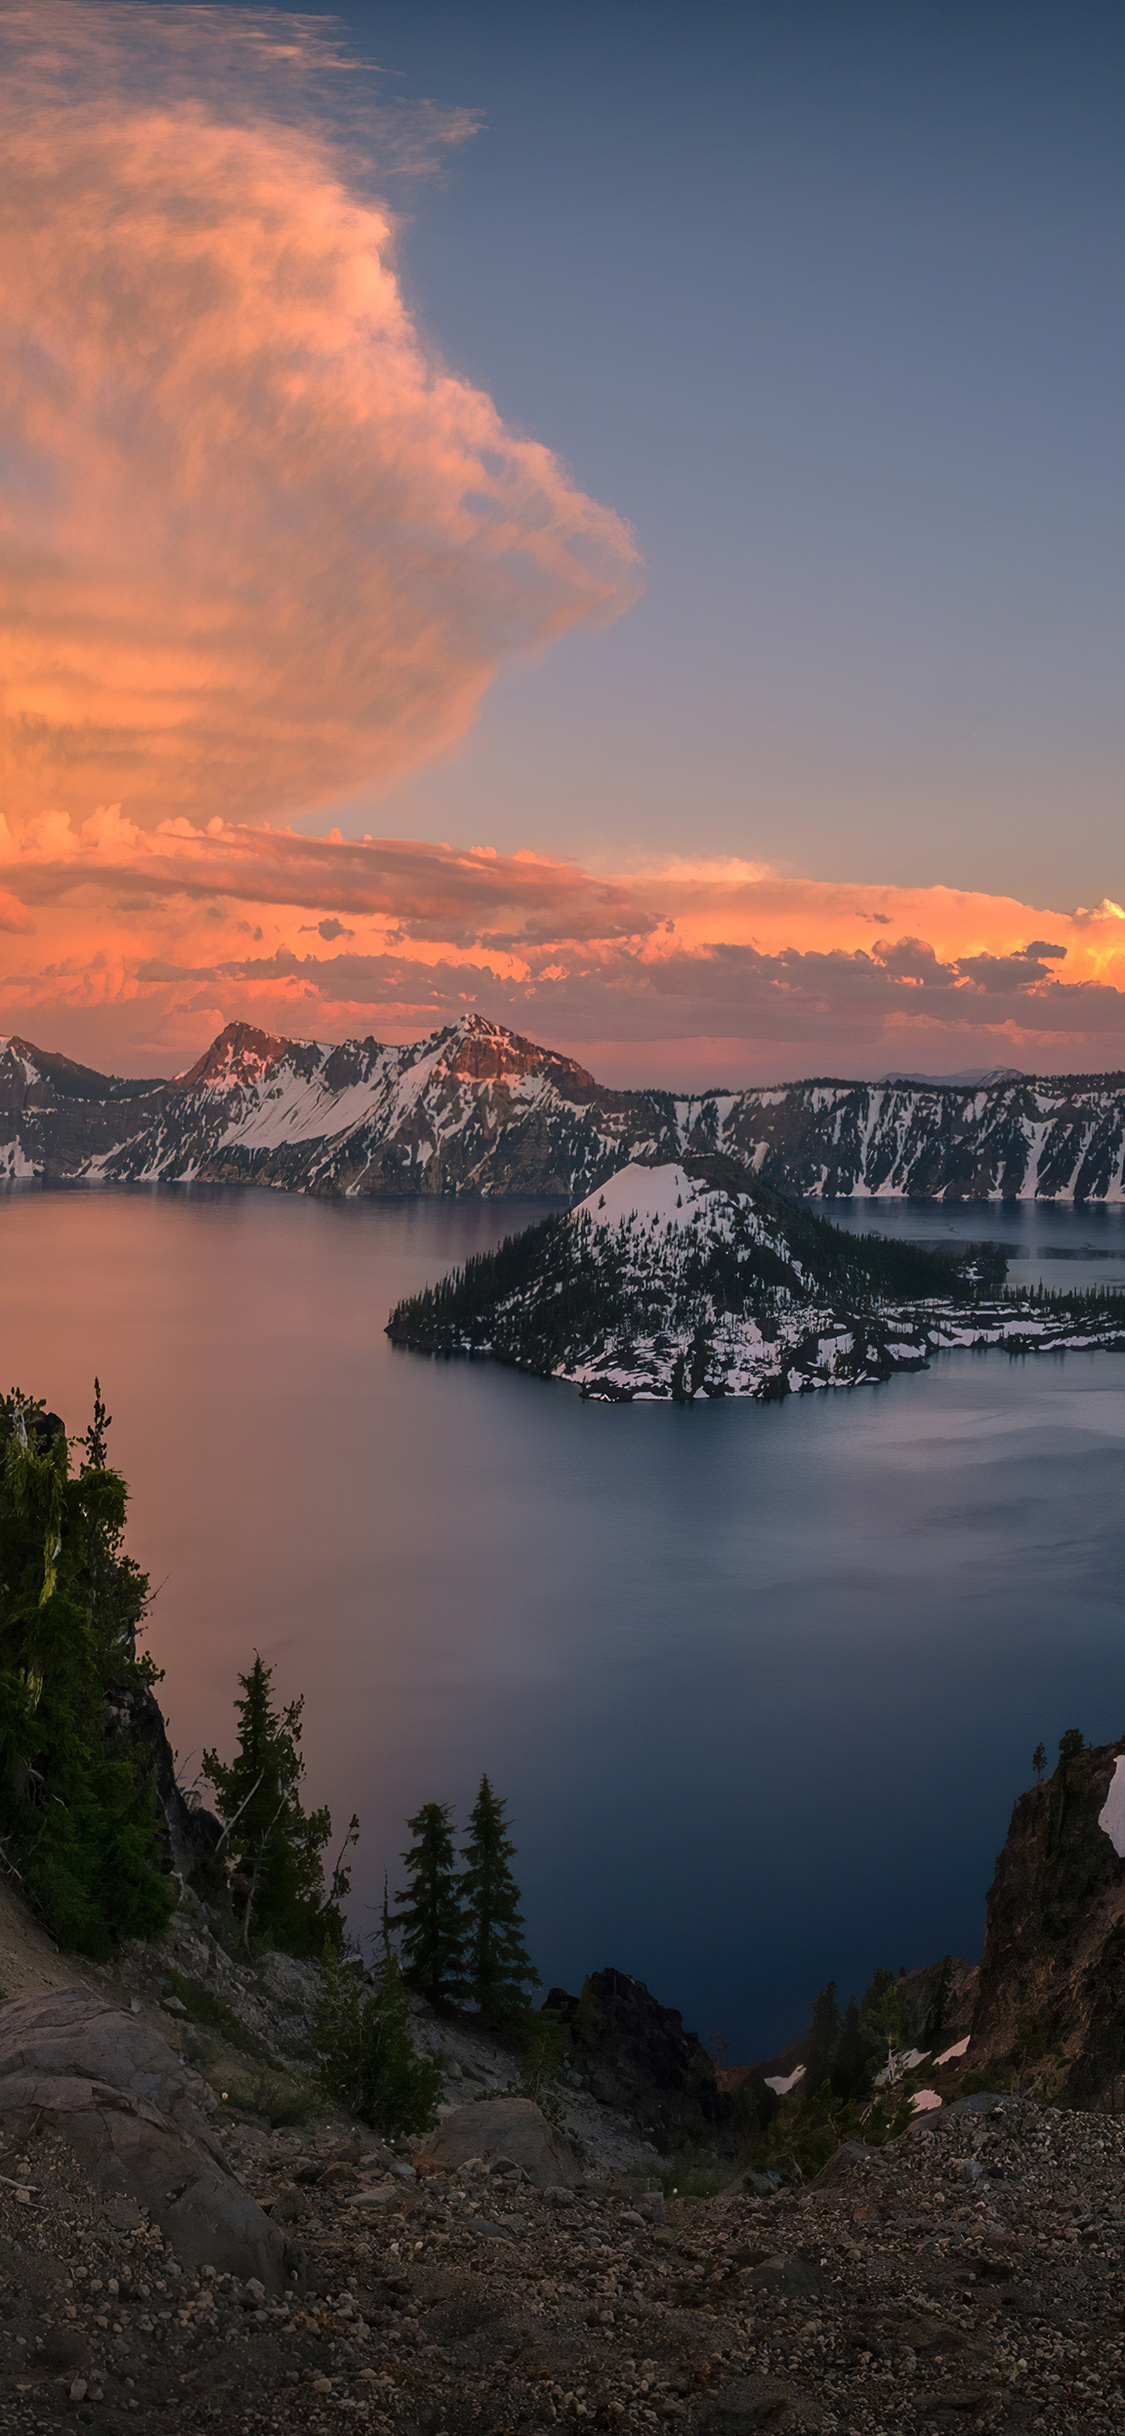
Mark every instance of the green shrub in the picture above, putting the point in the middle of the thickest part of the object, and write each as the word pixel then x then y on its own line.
pixel 280 2098
pixel 368 2063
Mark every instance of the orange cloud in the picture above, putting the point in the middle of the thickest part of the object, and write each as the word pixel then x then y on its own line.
pixel 147 940
pixel 258 543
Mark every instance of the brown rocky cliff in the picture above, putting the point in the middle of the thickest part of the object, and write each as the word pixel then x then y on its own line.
pixel 1053 1968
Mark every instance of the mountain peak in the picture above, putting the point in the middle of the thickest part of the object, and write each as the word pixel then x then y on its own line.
pixel 238 1054
pixel 485 1052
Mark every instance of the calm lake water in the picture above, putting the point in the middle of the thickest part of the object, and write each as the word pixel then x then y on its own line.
pixel 760 1683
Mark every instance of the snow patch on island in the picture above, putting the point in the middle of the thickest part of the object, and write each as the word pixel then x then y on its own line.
pixel 664 1196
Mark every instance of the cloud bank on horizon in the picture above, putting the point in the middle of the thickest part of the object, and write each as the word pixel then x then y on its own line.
pixel 133 946
pixel 260 546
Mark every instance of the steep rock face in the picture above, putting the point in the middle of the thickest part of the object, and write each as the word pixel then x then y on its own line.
pixel 1059 1136
pixel 1052 1972
pixel 478 1109
pixel 644 2063
pixel 56 1117
pixel 191 1833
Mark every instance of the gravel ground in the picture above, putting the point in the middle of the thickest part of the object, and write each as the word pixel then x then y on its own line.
pixel 969 2277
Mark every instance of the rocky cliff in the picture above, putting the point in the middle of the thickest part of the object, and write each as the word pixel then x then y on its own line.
pixel 478 1109
pixel 1051 1997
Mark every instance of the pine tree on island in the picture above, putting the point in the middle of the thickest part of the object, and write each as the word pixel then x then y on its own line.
pixel 499 1967
pixel 431 1916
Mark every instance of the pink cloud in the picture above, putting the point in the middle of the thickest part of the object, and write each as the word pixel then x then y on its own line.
pixel 145 936
pixel 258 543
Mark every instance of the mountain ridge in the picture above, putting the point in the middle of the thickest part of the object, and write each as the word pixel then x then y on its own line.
pixel 474 1108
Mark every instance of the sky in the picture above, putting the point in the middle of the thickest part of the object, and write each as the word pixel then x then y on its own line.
pixel 606 514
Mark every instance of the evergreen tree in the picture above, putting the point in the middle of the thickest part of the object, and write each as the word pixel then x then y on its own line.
pixel 1039 1762
pixel 80 1827
pixel 851 2061
pixel 881 2013
pixel 587 2022
pixel 499 1965
pixel 823 2034
pixel 431 1917
pixel 934 2022
pixel 275 1846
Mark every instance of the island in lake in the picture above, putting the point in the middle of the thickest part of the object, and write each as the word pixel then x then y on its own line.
pixel 687 1277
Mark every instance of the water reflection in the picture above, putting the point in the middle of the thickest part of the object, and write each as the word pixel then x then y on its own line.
pixel 760 1682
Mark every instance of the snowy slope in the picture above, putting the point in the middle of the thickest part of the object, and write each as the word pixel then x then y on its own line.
pixel 475 1108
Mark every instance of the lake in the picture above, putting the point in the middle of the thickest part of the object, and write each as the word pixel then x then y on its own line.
pixel 759 1682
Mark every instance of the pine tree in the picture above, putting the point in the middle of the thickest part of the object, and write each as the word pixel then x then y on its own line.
pixel 851 2063
pixel 823 2035
pixel 1039 1762
pixel 275 1845
pixel 431 1918
pixel 79 1822
pixel 499 1965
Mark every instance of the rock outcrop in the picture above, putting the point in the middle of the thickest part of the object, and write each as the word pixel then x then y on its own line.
pixel 1051 1996
pixel 122 2100
pixel 635 2055
pixel 192 1833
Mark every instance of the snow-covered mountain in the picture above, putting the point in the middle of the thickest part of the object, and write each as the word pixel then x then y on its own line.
pixel 473 1109
pixel 687 1278
pixel 58 1119
pixel 478 1109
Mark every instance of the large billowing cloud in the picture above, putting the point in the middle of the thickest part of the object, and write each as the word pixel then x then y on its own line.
pixel 257 544
pixel 131 947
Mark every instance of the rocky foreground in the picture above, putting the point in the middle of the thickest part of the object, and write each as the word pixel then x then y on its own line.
pixel 967 2277
pixel 191 2240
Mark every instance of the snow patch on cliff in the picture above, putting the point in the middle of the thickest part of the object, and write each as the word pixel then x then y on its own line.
pixel 1111 1819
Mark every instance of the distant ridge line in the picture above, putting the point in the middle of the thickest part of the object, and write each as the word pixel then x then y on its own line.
pixel 476 1108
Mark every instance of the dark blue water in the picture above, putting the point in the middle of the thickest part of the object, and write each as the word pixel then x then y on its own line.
pixel 759 1682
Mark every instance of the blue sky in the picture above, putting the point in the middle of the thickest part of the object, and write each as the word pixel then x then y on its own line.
pixel 824 301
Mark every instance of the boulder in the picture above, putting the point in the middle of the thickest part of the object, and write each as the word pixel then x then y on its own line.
pixel 509 2128
pixel 124 2102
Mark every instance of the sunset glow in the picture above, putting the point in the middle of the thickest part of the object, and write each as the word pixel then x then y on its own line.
pixel 135 945
pixel 265 552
